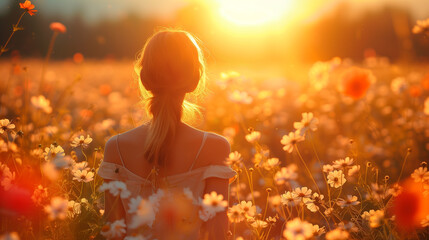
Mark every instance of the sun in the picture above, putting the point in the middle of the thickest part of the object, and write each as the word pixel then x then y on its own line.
pixel 254 12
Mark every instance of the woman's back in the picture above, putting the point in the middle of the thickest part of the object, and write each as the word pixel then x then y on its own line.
pixel 196 165
pixel 166 153
pixel 182 153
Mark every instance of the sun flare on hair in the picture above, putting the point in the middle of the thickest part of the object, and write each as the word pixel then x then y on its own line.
pixel 254 12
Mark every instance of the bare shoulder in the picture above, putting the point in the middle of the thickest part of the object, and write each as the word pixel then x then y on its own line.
pixel 121 141
pixel 217 149
pixel 111 152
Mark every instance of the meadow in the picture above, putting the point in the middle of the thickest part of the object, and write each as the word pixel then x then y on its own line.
pixel 337 149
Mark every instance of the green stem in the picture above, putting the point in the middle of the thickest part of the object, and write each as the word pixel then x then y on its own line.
pixel 81 191
pixel 403 165
pixel 266 205
pixel 306 167
pixel 48 56
pixel 233 235
pixel 111 209
pixel 321 166
pixel 238 189
pixel 15 29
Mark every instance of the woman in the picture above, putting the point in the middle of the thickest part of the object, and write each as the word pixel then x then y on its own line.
pixel 166 153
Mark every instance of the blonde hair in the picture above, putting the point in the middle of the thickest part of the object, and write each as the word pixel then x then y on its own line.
pixel 170 65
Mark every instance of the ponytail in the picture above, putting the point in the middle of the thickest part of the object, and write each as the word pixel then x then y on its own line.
pixel 166 112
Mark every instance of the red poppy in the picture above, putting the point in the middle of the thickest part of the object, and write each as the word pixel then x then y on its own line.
pixel 356 81
pixel 425 82
pixel 410 206
pixel 78 57
pixel 105 89
pixel 58 27
pixel 415 91
pixel 27 6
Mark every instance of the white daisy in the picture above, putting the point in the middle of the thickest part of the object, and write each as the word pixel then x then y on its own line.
pixel 289 141
pixel 308 122
pixel 253 137
pixel 83 176
pixel 40 102
pixel 53 152
pixel 421 174
pixel 81 141
pixel 57 209
pixel 285 174
pixel 349 201
pixel 298 230
pixel 302 194
pixel 342 163
pixel 336 178
pixel 212 203
pixel 6 177
pixel 116 188
pixel 234 158
pixel 115 230
pixel 289 199
pixel 337 234
pixel 143 212
pixel 6 125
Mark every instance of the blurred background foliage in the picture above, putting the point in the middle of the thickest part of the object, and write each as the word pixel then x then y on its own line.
pixel 385 31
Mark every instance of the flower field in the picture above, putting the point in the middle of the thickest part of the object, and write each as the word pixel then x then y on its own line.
pixel 332 150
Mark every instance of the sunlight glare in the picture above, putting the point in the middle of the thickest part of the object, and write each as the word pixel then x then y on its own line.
pixel 253 12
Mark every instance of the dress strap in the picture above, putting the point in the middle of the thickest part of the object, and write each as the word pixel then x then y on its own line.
pixel 199 150
pixel 119 151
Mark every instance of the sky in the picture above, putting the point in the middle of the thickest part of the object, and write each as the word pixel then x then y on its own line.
pixel 94 10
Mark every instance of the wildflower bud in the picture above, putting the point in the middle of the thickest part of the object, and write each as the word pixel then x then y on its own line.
pixel 251 169
pixel 351 141
pixel 386 178
pixel 92 169
pixel 20 133
pixel 40 145
pixel 250 129
pixel 95 149
pixel 409 150
pixel 268 190
pixel 368 164
pixel 424 164
pixel 17 119
pixel 55 143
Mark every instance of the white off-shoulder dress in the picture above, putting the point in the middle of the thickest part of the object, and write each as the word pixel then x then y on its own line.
pixel 193 179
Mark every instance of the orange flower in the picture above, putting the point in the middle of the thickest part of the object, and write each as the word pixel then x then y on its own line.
pixel 27 6
pixel 58 27
pixel 415 91
pixel 78 57
pixel 410 206
pixel 356 81
pixel 105 89
pixel 425 82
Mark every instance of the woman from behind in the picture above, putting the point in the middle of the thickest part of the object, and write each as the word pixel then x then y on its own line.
pixel 165 155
